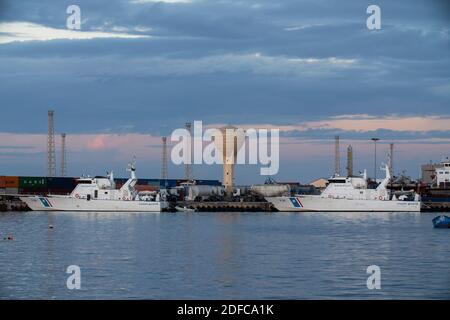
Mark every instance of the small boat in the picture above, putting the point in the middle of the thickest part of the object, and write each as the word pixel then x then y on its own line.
pixel 441 222
pixel 184 209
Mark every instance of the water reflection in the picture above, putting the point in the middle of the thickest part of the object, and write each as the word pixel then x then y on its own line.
pixel 223 255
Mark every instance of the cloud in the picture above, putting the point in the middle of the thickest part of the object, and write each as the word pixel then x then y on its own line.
pixel 27 31
pixel 310 67
pixel 162 1
pixel 121 143
pixel 424 128
pixel 394 123
pixel 98 143
pixel 255 63
pixel 12 147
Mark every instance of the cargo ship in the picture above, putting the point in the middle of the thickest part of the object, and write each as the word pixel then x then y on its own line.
pixel 350 194
pixel 99 194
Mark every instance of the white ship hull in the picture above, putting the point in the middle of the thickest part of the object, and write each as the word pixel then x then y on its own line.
pixel 318 203
pixel 67 203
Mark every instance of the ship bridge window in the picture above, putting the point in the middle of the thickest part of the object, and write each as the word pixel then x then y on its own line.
pixel 84 181
pixel 337 181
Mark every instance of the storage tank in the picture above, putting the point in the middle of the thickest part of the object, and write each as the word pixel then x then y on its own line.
pixel 203 191
pixel 271 190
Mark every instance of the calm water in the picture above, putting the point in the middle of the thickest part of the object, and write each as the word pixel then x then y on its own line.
pixel 223 255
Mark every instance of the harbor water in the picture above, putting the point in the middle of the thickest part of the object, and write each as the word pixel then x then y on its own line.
pixel 223 255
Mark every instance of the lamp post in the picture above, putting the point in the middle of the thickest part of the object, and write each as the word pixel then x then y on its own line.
pixel 375 157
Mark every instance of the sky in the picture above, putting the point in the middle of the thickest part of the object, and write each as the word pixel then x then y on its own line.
pixel 138 69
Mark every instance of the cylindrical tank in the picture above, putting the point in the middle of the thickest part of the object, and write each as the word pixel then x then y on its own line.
pixel 195 191
pixel 271 190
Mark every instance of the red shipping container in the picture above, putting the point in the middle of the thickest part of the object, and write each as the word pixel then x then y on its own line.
pixel 9 182
pixel 140 188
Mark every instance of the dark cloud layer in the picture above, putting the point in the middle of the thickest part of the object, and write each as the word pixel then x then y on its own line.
pixel 224 62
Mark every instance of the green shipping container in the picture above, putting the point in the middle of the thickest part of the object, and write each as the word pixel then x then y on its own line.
pixel 32 182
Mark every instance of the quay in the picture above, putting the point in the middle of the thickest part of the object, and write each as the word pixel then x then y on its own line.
pixel 11 203
pixel 226 206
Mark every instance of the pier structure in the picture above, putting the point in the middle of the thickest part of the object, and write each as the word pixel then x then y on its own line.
pixel 227 206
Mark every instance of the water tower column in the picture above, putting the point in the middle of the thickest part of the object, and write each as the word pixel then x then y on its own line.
pixel 228 174
pixel 228 143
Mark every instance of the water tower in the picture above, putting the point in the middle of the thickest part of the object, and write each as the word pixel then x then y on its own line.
pixel 228 144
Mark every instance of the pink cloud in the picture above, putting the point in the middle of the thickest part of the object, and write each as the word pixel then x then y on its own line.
pixel 98 143
pixel 361 122
pixel 124 146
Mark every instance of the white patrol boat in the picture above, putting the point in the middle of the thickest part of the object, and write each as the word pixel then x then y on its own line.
pixel 349 194
pixel 100 194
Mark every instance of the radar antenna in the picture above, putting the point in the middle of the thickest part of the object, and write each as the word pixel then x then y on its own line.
pixel 132 168
pixel 132 165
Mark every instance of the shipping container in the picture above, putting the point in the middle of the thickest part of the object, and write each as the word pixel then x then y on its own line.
pixel 140 188
pixel 9 181
pixel 169 183
pixel 33 182
pixel 165 183
pixel 33 190
pixel 119 182
pixel 208 182
pixel 119 185
pixel 180 181
pixel 61 183
pixel 148 182
pixel 11 190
